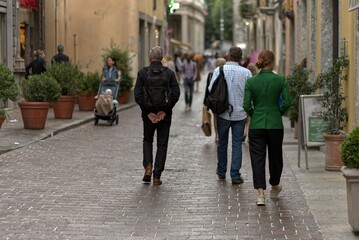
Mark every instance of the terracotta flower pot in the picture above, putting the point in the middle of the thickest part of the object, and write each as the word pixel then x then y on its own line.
pixel 2 119
pixel 123 98
pixel 86 101
pixel 333 161
pixel 34 114
pixel 64 107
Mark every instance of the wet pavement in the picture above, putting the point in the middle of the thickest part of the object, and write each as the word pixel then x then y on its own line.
pixel 86 183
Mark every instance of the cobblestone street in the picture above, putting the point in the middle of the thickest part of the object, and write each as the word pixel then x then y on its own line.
pixel 86 183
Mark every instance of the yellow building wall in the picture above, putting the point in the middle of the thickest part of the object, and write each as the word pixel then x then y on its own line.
pixel 146 6
pixel 347 28
pixel 86 27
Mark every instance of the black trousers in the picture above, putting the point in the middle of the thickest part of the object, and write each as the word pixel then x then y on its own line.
pixel 188 87
pixel 163 131
pixel 259 140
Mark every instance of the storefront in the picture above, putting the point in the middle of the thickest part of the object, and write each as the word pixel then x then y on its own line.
pixel 30 28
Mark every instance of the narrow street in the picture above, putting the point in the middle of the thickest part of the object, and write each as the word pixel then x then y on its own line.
pixel 87 184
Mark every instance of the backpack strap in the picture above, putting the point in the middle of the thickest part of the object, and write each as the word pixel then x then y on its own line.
pixel 221 70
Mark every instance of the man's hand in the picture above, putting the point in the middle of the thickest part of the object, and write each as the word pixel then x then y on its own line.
pixel 156 118
pixel 161 115
pixel 152 117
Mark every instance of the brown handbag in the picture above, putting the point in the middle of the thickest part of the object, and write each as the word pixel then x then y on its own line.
pixel 206 122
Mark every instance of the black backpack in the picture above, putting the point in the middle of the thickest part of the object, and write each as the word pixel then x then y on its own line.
pixel 157 91
pixel 218 96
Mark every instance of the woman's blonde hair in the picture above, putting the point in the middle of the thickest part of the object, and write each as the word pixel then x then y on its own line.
pixel 251 67
pixel 265 58
pixel 39 52
pixel 220 62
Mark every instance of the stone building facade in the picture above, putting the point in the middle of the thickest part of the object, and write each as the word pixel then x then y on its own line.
pixel 186 27
pixel 324 31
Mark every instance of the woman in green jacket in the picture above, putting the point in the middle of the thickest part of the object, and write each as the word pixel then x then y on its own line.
pixel 261 102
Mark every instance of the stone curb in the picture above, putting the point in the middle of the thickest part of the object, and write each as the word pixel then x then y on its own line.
pixel 61 129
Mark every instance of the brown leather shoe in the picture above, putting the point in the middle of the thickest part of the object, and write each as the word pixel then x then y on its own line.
pixel 157 181
pixel 148 173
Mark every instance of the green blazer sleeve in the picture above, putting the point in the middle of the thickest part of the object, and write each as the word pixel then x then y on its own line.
pixel 286 102
pixel 247 101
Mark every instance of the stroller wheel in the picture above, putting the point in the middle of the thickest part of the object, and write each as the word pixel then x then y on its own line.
pixel 96 121
pixel 116 119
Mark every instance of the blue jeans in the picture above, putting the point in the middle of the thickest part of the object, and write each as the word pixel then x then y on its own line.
pixel 237 127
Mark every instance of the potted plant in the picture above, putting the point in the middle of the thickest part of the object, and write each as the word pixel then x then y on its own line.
pixel 67 75
pixel 8 90
pixel 298 84
pixel 123 64
pixel 38 91
pixel 246 9
pixel 3 116
pixel 126 83
pixel 350 155
pixel 88 87
pixel 333 113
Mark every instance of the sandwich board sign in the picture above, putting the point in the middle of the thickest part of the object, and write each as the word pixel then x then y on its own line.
pixel 312 124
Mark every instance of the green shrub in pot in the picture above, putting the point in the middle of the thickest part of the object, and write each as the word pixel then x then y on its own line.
pixel 89 82
pixel 41 88
pixel 67 75
pixel 349 149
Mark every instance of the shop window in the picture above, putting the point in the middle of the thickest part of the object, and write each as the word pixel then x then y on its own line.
pixel 354 4
pixel 22 40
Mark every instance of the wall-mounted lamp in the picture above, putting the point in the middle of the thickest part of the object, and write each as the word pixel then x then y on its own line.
pixel 343 47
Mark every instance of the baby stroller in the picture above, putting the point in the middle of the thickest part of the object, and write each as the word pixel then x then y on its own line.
pixel 112 116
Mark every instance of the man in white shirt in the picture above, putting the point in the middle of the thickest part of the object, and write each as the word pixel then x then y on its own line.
pixel 234 119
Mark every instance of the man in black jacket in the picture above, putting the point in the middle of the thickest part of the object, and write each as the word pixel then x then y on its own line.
pixel 60 56
pixel 155 119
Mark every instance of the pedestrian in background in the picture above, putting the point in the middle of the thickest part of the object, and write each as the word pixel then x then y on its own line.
pixel 60 56
pixel 178 65
pixel 38 65
pixel 218 62
pixel 110 71
pixel 158 116
pixel 189 72
pixel 169 63
pixel 234 119
pixel 198 59
pixel 261 98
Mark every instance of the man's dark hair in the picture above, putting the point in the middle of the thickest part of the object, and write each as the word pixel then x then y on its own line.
pixel 235 54
pixel 60 48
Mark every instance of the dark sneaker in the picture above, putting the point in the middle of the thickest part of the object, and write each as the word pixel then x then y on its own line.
pixel 221 177
pixel 237 181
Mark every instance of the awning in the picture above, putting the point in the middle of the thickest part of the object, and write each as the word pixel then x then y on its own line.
pixel 33 4
pixel 180 44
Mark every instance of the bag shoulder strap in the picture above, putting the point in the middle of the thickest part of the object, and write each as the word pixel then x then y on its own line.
pixel 221 71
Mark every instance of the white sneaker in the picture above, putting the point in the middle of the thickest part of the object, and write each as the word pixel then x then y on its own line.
pixel 275 191
pixel 261 200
